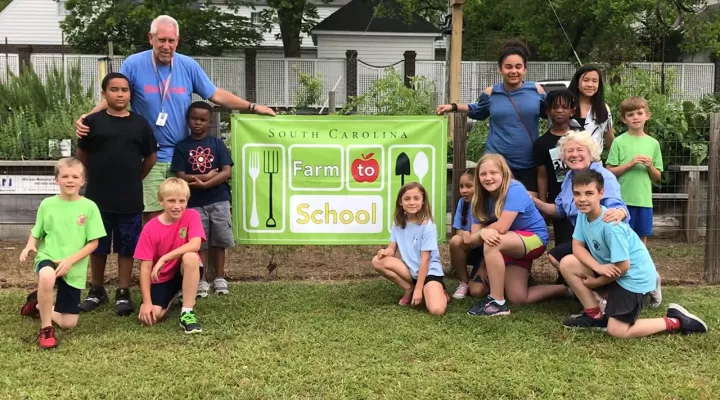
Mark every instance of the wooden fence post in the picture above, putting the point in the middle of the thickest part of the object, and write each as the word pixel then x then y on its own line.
pixel 459 152
pixel 712 236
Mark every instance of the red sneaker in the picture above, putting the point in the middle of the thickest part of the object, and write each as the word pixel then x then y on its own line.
pixel 46 338
pixel 29 309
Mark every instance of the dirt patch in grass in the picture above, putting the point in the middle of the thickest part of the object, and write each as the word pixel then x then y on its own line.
pixel 678 263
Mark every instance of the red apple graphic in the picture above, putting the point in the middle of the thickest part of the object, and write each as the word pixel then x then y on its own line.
pixel 365 169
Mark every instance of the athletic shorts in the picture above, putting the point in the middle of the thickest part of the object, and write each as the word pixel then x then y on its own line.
pixel 161 294
pixel 641 220
pixel 123 233
pixel 534 248
pixel 67 299
pixel 623 304
pixel 528 177
pixel 432 278
pixel 159 172
pixel 217 223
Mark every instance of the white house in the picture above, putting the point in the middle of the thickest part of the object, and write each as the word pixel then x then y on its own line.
pixel 380 39
pixel 37 23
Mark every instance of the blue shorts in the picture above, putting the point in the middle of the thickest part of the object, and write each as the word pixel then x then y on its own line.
pixel 123 232
pixel 641 220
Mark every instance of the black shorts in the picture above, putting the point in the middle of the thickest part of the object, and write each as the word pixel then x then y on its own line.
pixel 561 250
pixel 623 304
pixel 433 278
pixel 123 232
pixel 161 294
pixel 67 299
pixel 563 230
pixel 528 177
pixel 475 256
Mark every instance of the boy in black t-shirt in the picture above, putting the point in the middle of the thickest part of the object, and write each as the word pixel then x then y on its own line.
pixel 118 153
pixel 204 162
pixel 551 168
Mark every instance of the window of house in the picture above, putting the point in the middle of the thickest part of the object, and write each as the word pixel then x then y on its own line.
pixel 255 17
pixel 61 8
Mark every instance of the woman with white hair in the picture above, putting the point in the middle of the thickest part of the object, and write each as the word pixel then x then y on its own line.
pixel 580 151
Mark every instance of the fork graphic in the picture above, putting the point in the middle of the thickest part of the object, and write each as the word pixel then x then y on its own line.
pixel 254 170
pixel 270 167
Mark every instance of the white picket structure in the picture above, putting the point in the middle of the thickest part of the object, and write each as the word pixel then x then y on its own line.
pixel 9 64
pixel 277 79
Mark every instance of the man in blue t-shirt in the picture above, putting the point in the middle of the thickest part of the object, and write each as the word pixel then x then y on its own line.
pixel 162 82
pixel 609 257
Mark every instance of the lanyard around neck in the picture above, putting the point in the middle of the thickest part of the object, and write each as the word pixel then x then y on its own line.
pixel 163 88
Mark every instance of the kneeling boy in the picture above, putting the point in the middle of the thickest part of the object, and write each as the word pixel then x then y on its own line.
pixel 611 257
pixel 169 260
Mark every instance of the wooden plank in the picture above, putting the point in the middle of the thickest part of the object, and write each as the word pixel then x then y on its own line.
pixel 459 151
pixel 688 168
pixel 692 207
pixel 468 164
pixel 712 244
pixel 669 196
pixel 455 59
pixel 38 163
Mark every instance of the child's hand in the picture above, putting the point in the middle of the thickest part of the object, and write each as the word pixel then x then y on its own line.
pixel 609 270
pixel 197 183
pixel 490 236
pixel 63 266
pixel 417 296
pixel 467 237
pixel 156 269
pixel 25 252
pixel 647 161
pixel 147 314
pixel 383 253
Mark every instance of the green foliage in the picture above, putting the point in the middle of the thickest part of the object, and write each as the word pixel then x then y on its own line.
pixel 389 96
pixel 33 112
pixel 204 28
pixel 681 128
pixel 309 91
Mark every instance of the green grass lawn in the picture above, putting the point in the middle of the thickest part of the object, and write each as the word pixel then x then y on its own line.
pixel 350 340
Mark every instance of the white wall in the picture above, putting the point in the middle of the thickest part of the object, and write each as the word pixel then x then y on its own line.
pixel 31 22
pixel 375 49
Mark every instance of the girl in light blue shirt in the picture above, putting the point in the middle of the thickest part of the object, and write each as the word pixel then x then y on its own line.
pixel 418 270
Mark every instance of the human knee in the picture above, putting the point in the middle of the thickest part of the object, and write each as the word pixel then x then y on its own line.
pixel 476 289
pixel 378 264
pixel 67 322
pixel 436 309
pixel 618 332
pixel 568 264
pixel 516 296
pixel 46 277
pixel 190 260
pixel 457 242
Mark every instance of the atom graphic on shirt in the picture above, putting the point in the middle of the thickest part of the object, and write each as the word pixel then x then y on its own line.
pixel 201 159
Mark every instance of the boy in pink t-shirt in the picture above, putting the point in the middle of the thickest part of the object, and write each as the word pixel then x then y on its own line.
pixel 169 260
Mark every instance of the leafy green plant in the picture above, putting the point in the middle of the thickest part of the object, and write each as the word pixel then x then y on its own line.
pixel 309 91
pixel 32 112
pixel 388 95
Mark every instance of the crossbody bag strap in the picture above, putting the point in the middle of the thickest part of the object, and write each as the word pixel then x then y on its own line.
pixel 521 119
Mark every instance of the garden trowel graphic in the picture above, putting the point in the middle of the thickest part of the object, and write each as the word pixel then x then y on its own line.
pixel 402 167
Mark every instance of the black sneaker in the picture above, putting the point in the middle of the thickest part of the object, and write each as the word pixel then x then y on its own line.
pixel 585 321
pixel 489 307
pixel 689 323
pixel 189 322
pixel 96 297
pixel 123 302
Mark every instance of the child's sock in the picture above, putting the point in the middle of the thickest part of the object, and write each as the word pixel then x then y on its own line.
pixel 594 312
pixel 499 302
pixel 671 324
pixel 185 309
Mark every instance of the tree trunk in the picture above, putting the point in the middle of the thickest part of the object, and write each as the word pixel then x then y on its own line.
pixel 290 21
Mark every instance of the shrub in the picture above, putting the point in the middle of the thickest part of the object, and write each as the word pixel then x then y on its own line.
pixel 388 95
pixel 309 91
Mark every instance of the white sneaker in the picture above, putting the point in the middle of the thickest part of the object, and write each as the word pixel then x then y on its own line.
pixel 221 286
pixel 203 289
pixel 656 295
pixel 461 292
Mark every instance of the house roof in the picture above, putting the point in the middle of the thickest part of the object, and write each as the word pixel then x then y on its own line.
pixel 357 16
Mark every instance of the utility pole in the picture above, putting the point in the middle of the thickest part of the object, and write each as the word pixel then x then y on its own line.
pixel 455 56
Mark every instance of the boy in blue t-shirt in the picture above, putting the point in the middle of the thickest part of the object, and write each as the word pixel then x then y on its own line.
pixel 205 163
pixel 611 257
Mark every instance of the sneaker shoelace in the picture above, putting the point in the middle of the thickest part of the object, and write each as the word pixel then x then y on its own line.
pixel 189 318
pixel 46 333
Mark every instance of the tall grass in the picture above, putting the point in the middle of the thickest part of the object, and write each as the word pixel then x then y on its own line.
pixel 32 112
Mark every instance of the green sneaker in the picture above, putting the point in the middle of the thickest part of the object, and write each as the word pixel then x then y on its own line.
pixel 189 322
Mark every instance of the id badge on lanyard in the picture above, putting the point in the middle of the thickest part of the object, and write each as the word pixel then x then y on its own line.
pixel 164 90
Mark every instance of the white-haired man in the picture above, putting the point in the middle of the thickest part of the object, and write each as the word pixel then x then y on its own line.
pixel 162 83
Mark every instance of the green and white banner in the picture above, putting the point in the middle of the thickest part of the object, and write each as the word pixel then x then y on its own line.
pixel 331 179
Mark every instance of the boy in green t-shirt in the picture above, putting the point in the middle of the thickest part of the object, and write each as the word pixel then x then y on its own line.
pixel 636 160
pixel 67 228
